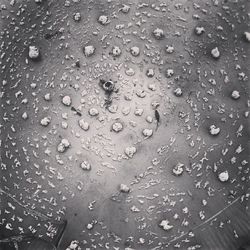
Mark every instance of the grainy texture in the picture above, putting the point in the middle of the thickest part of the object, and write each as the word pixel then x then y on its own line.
pixel 79 112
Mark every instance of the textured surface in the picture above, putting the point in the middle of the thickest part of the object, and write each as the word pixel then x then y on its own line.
pixel 170 86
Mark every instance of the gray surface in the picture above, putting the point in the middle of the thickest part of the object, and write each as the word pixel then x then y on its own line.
pixel 179 138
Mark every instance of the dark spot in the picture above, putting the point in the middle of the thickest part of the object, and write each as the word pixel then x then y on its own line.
pixel 157 115
pixel 75 110
pixel 108 86
pixel 78 64
pixel 127 243
pixel 49 36
pixel 108 102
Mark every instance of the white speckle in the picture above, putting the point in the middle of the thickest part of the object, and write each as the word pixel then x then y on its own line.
pixel 223 176
pixel 130 151
pixel 45 121
pixel 135 209
pixel 140 93
pixel 33 85
pixel 25 116
pixel 244 162
pixel 12 2
pixel 138 112
pixel 178 92
pixel 158 33
pixel 128 96
pixel 147 132
pixel 103 20
pixel 149 119
pixel 77 17
pixel 66 100
pixel 178 169
pixel 83 124
pixel 74 245
pixel 124 188
pixel 93 112
pixel 126 110
pixel 204 202
pixel 215 52
pixel 64 125
pixel 219 28
pixel 155 104
pixel 117 127
pixel 212 81
pixel 135 51
pixel 202 215
pixel 169 49
pixel 129 72
pixel 65 116
pixel 63 145
pixel 165 225
pixel 169 73
pixel 150 73
pixel 142 241
pixel 185 210
pixel 199 30
pixel 176 216
pixel 213 130
pixel 235 95
pixel 9 226
pixel 25 101
pixel 239 149
pixel 247 36
pixel 47 97
pixel 113 108
pixel 33 52
pixel 85 165
pixel 90 226
pixel 125 8
pixel 116 51
pixel 89 50
pixel 152 87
